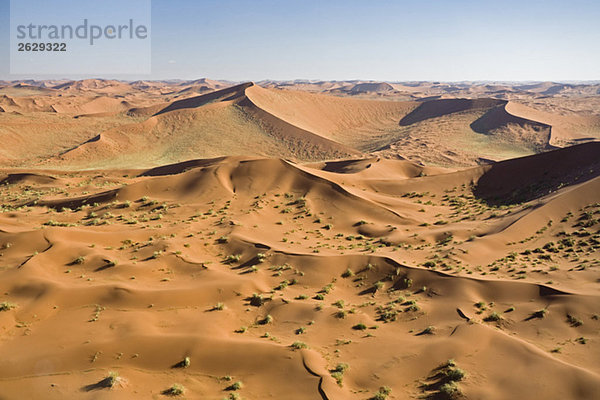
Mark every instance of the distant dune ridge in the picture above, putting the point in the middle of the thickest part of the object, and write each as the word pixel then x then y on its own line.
pixel 107 123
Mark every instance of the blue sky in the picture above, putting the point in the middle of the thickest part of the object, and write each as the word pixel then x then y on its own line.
pixel 379 40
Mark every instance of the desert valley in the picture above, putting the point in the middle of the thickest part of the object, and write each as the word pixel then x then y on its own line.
pixel 299 240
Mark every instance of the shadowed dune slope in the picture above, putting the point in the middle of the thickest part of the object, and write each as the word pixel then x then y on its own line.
pixel 530 177
pixel 437 108
pixel 231 93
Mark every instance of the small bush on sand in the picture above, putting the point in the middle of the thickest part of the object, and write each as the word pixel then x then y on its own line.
pixel 175 390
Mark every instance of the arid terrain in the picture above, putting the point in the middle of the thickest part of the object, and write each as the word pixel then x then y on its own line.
pixel 299 240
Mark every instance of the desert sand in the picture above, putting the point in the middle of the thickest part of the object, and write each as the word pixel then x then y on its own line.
pixel 299 240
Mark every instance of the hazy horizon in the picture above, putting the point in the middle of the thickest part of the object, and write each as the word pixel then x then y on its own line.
pixel 315 80
pixel 352 40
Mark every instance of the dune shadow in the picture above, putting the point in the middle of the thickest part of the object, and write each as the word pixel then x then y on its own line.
pixel 425 332
pixel 105 383
pixel 536 315
pixel 180 364
pixel 520 180
pixel 250 263
pixel 105 266
pixel 370 290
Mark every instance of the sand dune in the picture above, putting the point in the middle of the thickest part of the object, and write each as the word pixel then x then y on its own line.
pixel 565 129
pixel 201 124
pixel 343 120
pixel 371 87
pixel 268 278
pixel 174 121
pixel 198 101
pixel 497 120
pixel 100 85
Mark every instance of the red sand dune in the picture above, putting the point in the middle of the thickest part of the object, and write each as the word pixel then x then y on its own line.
pixel 258 242
pixel 161 268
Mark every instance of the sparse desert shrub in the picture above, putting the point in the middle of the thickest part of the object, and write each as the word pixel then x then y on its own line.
pixel 388 315
pixel 339 377
pixel 327 288
pixel 156 254
pixel 257 300
pixel 232 258
pixel 574 321
pixel 430 330
pixel 449 363
pixel 338 304
pixel 79 260
pixel 449 390
pixel 299 345
pixel 282 285
pixel 223 239
pixel 359 327
pixel 300 330
pixel 218 307
pixel 493 317
pixel 382 393
pixel 235 386
pixel 338 372
pixel 455 374
pixel 56 223
pixel 342 367
pixel 319 296
pixel 175 390
pixel 112 379
pixel 7 305
pixel 347 273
